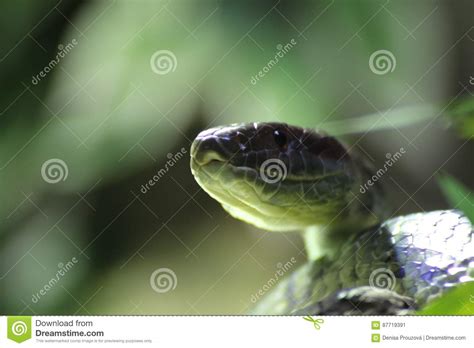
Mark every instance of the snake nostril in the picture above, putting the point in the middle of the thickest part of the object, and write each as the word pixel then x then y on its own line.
pixel 211 156
pixel 207 149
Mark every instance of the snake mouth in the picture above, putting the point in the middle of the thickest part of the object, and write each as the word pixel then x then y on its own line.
pixel 212 164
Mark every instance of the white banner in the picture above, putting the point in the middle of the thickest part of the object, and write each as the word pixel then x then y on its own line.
pixel 235 331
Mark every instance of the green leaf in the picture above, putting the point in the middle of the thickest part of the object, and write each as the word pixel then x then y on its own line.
pixel 459 301
pixel 459 196
pixel 462 116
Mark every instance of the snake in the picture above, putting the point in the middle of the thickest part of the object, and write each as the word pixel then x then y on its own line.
pixel 360 259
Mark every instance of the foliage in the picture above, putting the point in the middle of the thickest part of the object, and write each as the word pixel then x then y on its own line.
pixel 459 301
pixel 459 196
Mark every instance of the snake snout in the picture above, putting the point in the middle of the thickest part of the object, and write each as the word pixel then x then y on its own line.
pixel 205 150
pixel 209 146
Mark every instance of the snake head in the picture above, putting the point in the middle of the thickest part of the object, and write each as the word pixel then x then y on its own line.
pixel 273 175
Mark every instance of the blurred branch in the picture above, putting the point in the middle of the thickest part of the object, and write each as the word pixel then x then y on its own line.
pixel 392 118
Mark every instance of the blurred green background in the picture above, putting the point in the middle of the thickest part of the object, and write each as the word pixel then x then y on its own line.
pixel 113 121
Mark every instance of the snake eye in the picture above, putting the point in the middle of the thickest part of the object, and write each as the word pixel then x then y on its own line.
pixel 280 138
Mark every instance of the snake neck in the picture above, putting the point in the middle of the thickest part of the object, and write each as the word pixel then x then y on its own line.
pixel 365 209
pixel 322 241
pixel 327 241
pixel 315 240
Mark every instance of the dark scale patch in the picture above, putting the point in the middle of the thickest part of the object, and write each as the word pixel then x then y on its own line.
pixel 297 165
pixel 401 273
pixel 326 148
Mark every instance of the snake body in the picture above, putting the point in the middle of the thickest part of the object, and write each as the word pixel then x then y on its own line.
pixel 283 178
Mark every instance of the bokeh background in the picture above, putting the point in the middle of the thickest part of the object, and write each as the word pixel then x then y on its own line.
pixel 113 117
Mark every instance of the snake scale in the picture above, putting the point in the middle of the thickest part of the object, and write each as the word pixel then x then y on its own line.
pixel 282 178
